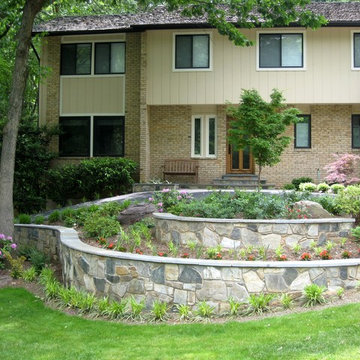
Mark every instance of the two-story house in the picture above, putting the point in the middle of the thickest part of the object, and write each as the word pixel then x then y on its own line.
pixel 155 86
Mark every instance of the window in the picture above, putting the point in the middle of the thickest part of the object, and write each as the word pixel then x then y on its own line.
pixel 303 132
pixel 110 58
pixel 356 41
pixel 203 139
pixel 92 136
pixel 75 59
pixel 281 51
pixel 192 51
pixel 355 130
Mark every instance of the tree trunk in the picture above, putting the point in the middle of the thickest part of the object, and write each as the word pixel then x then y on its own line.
pixel 258 182
pixel 7 163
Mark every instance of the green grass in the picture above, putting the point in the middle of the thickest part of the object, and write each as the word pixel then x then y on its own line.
pixel 28 330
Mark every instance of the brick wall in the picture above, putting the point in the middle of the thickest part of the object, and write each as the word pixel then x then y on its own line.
pixel 170 138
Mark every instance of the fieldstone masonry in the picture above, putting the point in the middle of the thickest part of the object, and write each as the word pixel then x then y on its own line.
pixel 179 281
pixel 240 233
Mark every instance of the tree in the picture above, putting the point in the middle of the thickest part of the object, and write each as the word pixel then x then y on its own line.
pixel 259 126
pixel 246 13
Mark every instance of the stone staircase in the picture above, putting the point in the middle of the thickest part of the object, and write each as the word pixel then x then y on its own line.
pixel 241 181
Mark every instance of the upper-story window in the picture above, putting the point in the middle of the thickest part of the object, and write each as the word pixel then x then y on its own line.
pixel 76 59
pixel 109 58
pixel 281 50
pixel 356 43
pixel 192 51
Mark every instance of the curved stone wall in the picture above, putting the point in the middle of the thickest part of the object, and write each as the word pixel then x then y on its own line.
pixel 238 233
pixel 179 281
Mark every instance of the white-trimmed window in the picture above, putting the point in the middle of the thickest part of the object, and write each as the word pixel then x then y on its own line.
pixel 281 51
pixel 356 50
pixel 77 58
pixel 192 52
pixel 203 136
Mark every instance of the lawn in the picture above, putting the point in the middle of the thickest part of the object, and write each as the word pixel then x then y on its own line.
pixel 28 330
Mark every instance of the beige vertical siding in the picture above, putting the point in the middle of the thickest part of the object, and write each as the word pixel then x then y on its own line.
pixel 93 95
pixel 328 77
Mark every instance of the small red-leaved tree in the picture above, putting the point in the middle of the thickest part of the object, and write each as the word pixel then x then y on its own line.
pixel 341 171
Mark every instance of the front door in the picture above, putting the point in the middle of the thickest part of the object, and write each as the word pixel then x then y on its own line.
pixel 238 161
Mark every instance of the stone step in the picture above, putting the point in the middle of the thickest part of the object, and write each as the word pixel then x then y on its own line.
pixel 237 182
pixel 240 176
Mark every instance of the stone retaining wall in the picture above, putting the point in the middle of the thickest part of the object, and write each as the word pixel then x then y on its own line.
pixel 180 281
pixel 240 233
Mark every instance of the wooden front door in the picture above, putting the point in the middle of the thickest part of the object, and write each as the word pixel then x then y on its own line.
pixel 238 161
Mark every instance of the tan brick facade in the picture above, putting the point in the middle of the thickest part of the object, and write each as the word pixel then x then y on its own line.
pixel 170 138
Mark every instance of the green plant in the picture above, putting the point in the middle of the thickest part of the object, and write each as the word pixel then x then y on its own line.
pixel 329 245
pixel 173 249
pixel 289 187
pixel 313 244
pixel 184 311
pixel 52 289
pixel 286 301
pixel 314 295
pixel 96 225
pixel 234 306
pixel 340 293
pixel 279 252
pixel 136 307
pixel 348 201
pixel 29 275
pixel 336 188
pixel 305 256
pixel 99 175
pixel 323 187
pixel 204 309
pixel 103 306
pixel 159 310
pixel 54 217
pixel 24 219
pixel 297 181
pixel 38 259
pixel 310 187
pixel 39 219
pixel 343 242
pixel 262 251
pixel 297 248
pixel 46 275
pixel 356 232
pixel 346 254
pixel 16 265
pixel 259 304
pixel 199 250
pixel 116 309
pixel 191 244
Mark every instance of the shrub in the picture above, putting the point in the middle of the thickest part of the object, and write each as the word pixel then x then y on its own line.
pixel 16 265
pixel 297 181
pixel 184 311
pixel 38 259
pixel 336 188
pixel 328 203
pixel 342 169
pixel 348 201
pixel 114 309
pixel 323 187
pixel 39 219
pixel 286 301
pixel 24 219
pixel 96 225
pixel 314 295
pixel 307 187
pixel 29 275
pixel 90 179
pixel 159 310
pixel 289 187
pixel 356 232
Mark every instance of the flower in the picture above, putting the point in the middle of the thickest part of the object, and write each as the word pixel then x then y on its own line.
pixel 13 246
pixel 179 197
pixel 346 254
pixel 160 204
pixel 151 199
pixel 218 256
pixel 162 254
pixel 2 237
pixel 9 238
pixel 185 255
pixel 325 255
pixel 138 251
pixel 251 258
pixel 166 190
pixel 111 245
pixel 305 256
pixel 183 192
pixel 283 258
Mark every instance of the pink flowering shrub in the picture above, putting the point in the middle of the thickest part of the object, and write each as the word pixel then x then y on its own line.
pixel 167 198
pixel 341 171
pixel 6 245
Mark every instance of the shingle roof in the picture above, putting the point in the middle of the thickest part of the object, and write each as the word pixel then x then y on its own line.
pixel 341 13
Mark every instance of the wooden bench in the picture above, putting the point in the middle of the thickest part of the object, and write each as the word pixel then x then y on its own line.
pixel 181 167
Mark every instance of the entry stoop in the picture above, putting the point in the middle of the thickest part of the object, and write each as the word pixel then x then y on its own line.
pixel 241 181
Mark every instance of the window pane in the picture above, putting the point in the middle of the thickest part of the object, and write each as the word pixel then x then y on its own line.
pixel 211 136
pixel 74 139
pixel 117 58
pixel 183 51
pixel 246 158
pixel 197 136
pixel 83 59
pixel 201 51
pixel 235 160
pixel 269 51
pixel 108 136
pixel 68 59
pixel 291 50
pixel 357 50
pixel 102 58
pixel 302 133
pixel 356 131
